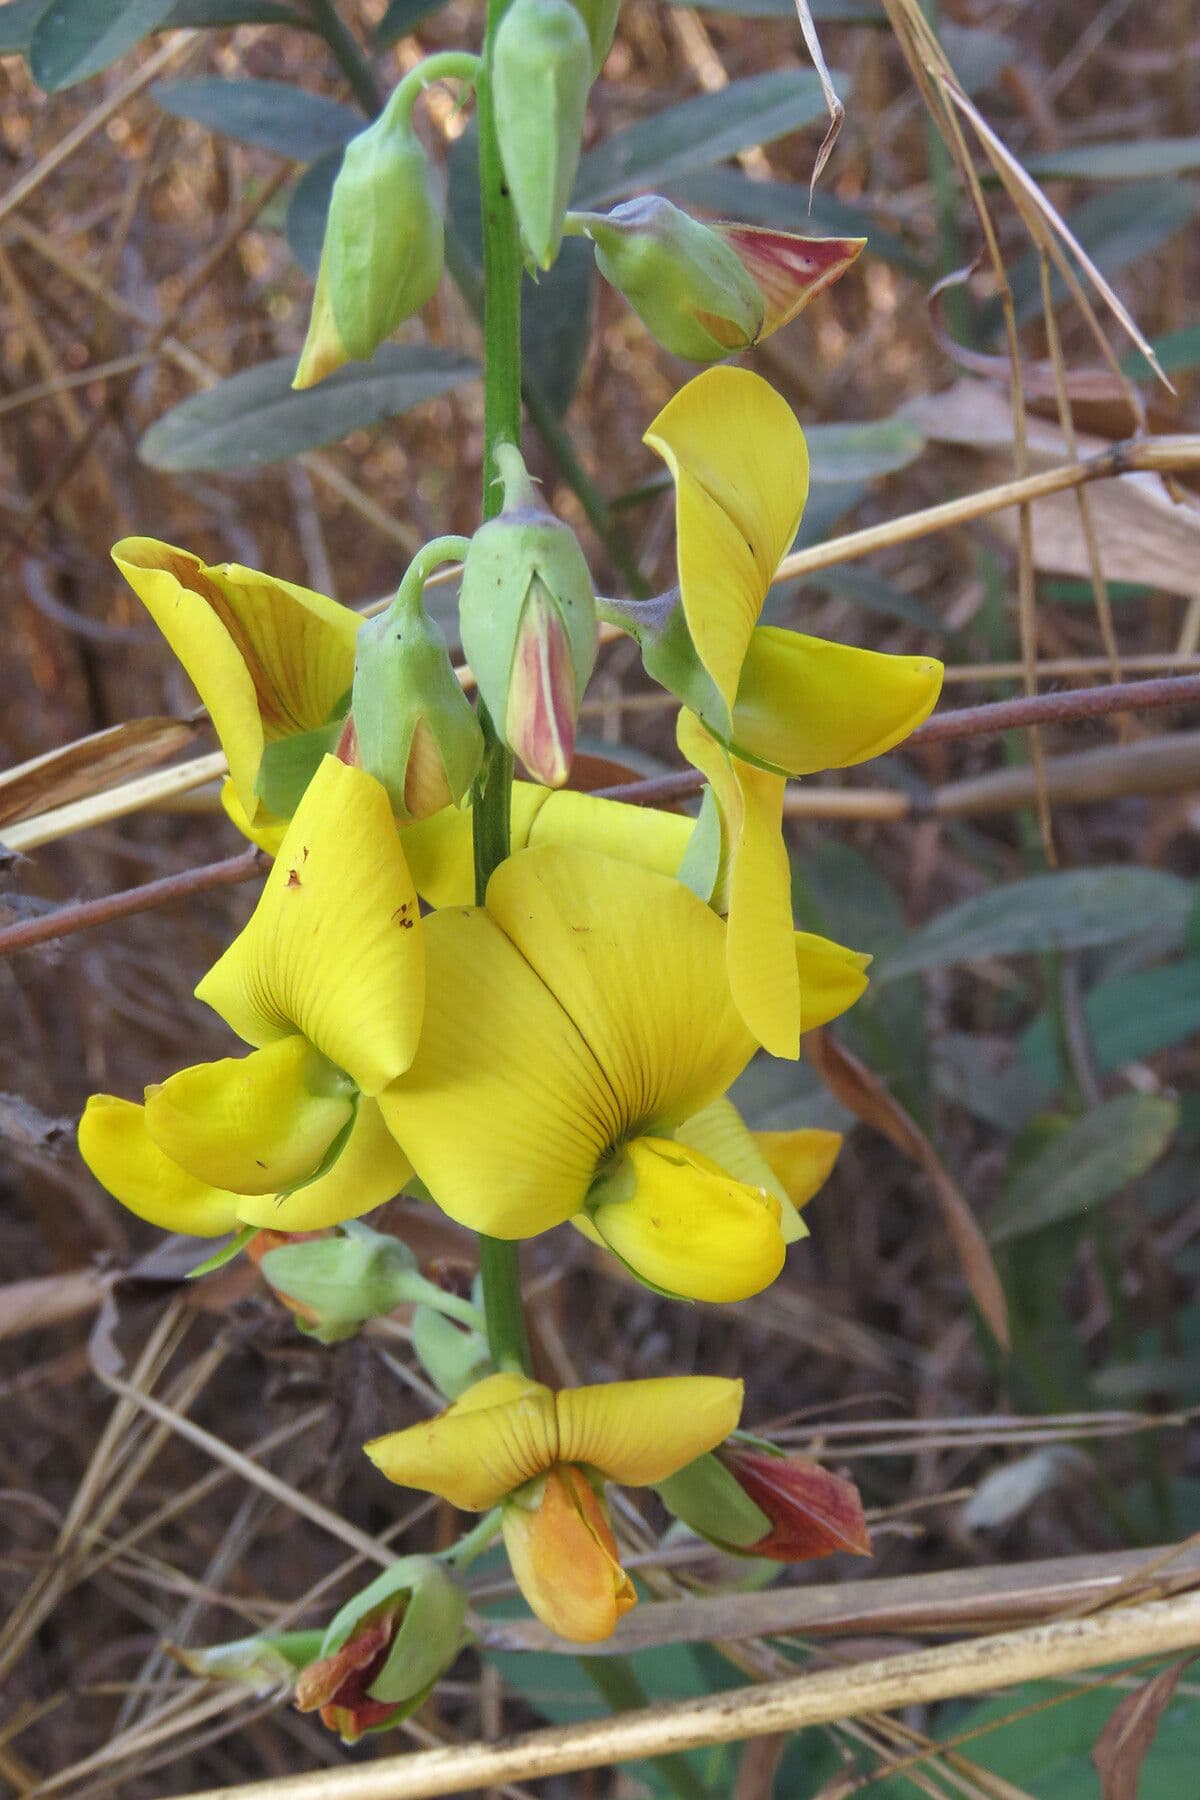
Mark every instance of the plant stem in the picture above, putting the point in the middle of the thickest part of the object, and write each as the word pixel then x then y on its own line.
pixel 499 1264
pixel 348 54
pixel 444 65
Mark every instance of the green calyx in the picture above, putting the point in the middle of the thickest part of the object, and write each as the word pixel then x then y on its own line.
pixel 687 285
pixel 669 656
pixel 356 1275
pixel 711 1502
pixel 541 72
pixel 260 1663
pixel 600 18
pixel 431 1606
pixel 416 730
pixel 453 1359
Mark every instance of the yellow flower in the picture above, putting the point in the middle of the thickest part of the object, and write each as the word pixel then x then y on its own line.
pixel 740 465
pixel 269 659
pixel 543 1455
pixel 573 1024
pixel 326 983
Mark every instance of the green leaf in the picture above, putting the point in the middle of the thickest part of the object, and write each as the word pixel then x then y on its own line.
pixel 73 39
pixel 256 418
pixel 271 114
pixel 1086 1164
pixel 308 210
pixel 1069 911
pixel 1133 159
pixel 213 15
pixel 1128 1018
pixel 17 21
pixel 783 205
pixel 225 1254
pixel 1176 351
pixel 403 16
pixel 862 452
pixel 697 132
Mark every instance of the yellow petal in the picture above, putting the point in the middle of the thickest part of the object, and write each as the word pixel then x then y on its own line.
pixel 805 704
pixel 637 962
pixel 117 1148
pixel 761 961
pixel 476 1453
pixel 251 1124
pixel 832 977
pixel 267 658
pixel 334 948
pixel 564 1558
pixel 801 1160
pixel 720 1133
pixel 690 1228
pixel 740 465
pixel 639 1432
pixel 371 1169
pixel 504 1111
pixel 637 834
pixel 441 852
pixel 264 829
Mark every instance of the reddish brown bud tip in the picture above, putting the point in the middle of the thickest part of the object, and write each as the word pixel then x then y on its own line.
pixel 812 1512
pixel 789 270
pixel 336 1686
pixel 542 700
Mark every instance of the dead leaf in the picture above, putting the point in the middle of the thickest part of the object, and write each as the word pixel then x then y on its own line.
pixel 861 1092
pixel 1120 1750
pixel 76 770
pixel 1142 533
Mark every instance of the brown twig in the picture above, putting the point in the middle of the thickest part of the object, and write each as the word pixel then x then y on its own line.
pixel 82 914
pixel 972 721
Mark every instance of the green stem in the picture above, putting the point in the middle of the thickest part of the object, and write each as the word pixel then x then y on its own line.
pixel 615 1682
pixel 429 557
pixel 349 56
pixel 445 65
pixel 474 1542
pixel 499 1264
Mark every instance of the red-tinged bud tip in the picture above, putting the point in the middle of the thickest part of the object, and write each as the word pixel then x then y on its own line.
pixel 539 724
pixel 262 1242
pixel 336 1686
pixel 788 270
pixel 812 1512
pixel 346 748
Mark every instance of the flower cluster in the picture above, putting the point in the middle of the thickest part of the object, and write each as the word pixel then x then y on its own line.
pixel 553 1048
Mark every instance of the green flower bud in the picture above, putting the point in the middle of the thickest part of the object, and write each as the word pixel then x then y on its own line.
pixel 416 730
pixel 600 17
pixel 528 619
pixel 336 1282
pixel 262 1663
pixel 453 1359
pixel 541 72
pixel 710 1501
pixel 383 250
pixel 687 285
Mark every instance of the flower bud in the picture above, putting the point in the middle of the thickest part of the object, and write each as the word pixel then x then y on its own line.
pixel 541 72
pixel 528 622
pixel 705 290
pixel 382 1653
pixel 687 286
pixel 416 730
pixel 754 1501
pixel 261 1663
pixel 383 250
pixel 600 17
pixel 564 1556
pixel 334 1281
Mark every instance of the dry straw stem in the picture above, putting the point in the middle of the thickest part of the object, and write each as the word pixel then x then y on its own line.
pixel 1042 1652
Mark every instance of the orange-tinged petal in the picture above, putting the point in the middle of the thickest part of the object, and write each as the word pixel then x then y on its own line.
pixel 802 1160
pixel 760 959
pixel 480 1449
pixel 805 704
pixel 268 658
pixel 334 948
pixel 564 1559
pixel 690 1228
pixel 740 465
pixel 251 1124
pixel 639 1432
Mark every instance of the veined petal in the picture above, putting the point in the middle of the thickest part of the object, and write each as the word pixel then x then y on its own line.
pixel 564 1558
pixel 636 961
pixel 806 704
pixel 371 1169
pixel 504 1111
pixel 720 1133
pixel 492 1441
pixel 760 959
pixel 334 948
pixel 251 1124
pixel 639 1432
pixel 832 977
pixel 740 465
pixel 690 1228
pixel 264 829
pixel 802 1161
pixel 267 657
pixel 117 1148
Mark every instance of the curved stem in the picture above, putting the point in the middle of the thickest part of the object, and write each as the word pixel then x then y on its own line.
pixel 444 65
pixel 429 557
pixel 498 1258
